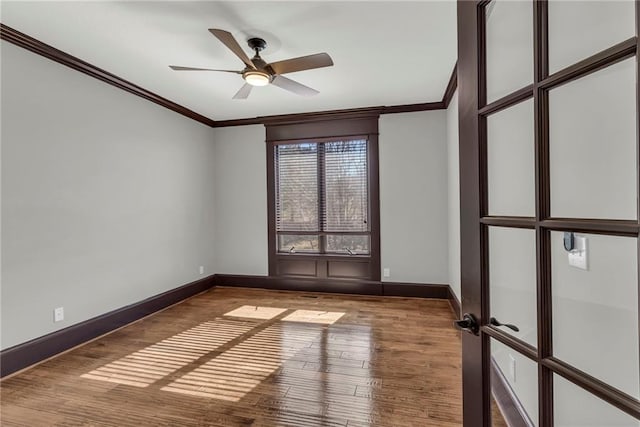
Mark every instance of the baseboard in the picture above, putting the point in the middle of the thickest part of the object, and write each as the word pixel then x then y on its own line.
pixel 31 352
pixel 455 304
pixel 358 287
pixel 418 290
pixel 512 410
pixel 304 284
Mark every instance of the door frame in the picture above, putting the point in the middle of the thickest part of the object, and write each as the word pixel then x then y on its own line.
pixel 474 218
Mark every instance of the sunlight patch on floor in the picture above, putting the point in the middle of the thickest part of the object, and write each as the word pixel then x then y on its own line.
pixel 237 371
pixel 146 366
pixel 255 312
pixel 310 316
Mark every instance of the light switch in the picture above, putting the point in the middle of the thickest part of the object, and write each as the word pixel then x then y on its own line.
pixel 578 256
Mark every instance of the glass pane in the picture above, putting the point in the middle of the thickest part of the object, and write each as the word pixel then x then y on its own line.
pixel 511 161
pixel 345 243
pixel 297 187
pixel 575 407
pixel 595 311
pixel 512 280
pixel 579 29
pixel 293 243
pixel 345 189
pixel 516 375
pixel 592 130
pixel 509 47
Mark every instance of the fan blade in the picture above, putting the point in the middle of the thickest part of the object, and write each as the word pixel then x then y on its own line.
pixel 229 41
pixel 293 86
pixel 244 92
pixel 302 63
pixel 179 68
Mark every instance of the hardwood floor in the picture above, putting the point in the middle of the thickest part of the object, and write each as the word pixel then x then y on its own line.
pixel 321 360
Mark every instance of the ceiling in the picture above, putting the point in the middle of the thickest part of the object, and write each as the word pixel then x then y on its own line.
pixel 385 53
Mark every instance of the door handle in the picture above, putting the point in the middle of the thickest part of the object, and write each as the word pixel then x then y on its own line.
pixel 495 322
pixel 467 324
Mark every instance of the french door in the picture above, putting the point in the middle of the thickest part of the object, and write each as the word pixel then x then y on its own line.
pixel 549 154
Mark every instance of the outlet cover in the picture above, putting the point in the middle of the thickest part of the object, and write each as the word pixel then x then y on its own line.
pixel 386 272
pixel 201 269
pixel 58 314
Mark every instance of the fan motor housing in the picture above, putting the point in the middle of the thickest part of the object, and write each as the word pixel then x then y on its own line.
pixel 257 44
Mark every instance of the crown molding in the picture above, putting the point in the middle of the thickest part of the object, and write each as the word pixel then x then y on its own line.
pixel 36 46
pixel 451 86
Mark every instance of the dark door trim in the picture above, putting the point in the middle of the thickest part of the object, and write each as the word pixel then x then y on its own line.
pixel 476 391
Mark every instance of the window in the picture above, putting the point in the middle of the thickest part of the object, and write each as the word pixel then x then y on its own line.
pixel 323 201
pixel 322 197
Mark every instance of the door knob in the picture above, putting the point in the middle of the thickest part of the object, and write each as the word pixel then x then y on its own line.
pixel 495 322
pixel 467 324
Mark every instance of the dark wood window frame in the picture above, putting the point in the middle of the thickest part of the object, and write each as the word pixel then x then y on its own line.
pixel 475 220
pixel 326 265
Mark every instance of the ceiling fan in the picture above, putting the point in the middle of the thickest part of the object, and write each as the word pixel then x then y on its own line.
pixel 259 73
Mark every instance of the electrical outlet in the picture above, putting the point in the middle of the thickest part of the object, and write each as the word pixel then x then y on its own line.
pixel 512 368
pixel 201 269
pixel 386 272
pixel 58 314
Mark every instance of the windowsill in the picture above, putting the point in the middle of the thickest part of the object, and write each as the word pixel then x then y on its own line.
pixel 330 255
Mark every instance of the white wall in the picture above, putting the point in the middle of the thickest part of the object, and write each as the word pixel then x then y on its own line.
pixel 412 162
pixel 453 195
pixel 240 186
pixel 107 199
pixel 413 196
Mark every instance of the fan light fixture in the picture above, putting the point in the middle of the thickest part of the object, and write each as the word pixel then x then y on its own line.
pixel 257 72
pixel 256 78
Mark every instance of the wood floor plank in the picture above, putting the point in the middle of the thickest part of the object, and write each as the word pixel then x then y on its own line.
pixel 386 361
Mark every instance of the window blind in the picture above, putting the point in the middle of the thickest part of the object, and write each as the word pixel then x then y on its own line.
pixel 345 186
pixel 297 187
pixel 322 197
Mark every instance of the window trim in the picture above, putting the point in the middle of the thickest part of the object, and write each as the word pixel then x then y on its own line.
pixel 321 233
pixel 323 131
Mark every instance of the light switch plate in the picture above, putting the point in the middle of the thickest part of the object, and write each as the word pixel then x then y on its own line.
pixel 578 256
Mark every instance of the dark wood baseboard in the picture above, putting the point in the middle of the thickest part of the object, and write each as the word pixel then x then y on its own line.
pixel 31 352
pixel 455 303
pixel 360 287
pixel 418 290
pixel 512 410
pixel 305 284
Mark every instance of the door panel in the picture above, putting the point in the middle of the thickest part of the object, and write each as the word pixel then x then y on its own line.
pixel 512 281
pixel 595 311
pixel 578 349
pixel 509 48
pixel 592 145
pixel 601 24
pixel 575 407
pixel 510 161
pixel 520 375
